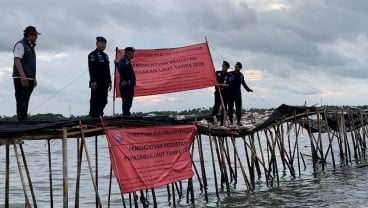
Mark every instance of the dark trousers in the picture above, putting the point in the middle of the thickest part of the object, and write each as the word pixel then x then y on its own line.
pixel 217 105
pixel 127 94
pixel 98 100
pixel 237 99
pixel 22 96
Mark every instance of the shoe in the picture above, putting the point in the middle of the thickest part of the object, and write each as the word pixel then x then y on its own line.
pixel 239 124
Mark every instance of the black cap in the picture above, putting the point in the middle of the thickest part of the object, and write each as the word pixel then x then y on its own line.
pixel 226 64
pixel 100 39
pixel 30 29
pixel 127 49
pixel 239 64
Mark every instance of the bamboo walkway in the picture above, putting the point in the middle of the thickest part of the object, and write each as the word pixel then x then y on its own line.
pixel 259 149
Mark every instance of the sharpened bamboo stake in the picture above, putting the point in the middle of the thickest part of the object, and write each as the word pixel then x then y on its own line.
pixel 90 168
pixel 27 203
pixel 28 176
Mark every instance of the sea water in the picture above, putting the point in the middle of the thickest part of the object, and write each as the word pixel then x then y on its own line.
pixel 345 186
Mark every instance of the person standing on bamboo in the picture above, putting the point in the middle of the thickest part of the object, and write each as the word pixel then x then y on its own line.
pixel 127 80
pixel 24 70
pixel 221 92
pixel 100 78
pixel 236 79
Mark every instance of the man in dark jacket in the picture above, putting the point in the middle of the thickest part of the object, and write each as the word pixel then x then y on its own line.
pixel 236 79
pixel 100 78
pixel 24 70
pixel 127 80
pixel 221 92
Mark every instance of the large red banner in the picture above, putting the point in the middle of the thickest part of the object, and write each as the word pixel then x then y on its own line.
pixel 168 70
pixel 144 158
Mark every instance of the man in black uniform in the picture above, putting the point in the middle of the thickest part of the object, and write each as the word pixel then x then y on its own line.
pixel 24 70
pixel 221 90
pixel 236 79
pixel 100 78
pixel 127 80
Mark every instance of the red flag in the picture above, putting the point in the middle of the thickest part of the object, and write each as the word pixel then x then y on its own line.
pixel 168 70
pixel 144 158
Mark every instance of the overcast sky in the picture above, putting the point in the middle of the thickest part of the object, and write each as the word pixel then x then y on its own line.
pixel 293 51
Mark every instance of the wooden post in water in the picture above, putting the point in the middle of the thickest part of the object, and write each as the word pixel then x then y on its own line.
pixel 240 164
pixel 96 169
pixel 90 168
pixel 28 176
pixel 50 174
pixel 7 166
pixel 203 169
pixel 263 160
pixel 27 203
pixel 319 119
pixel 223 163
pixel 213 164
pixel 79 168
pixel 330 140
pixel 65 167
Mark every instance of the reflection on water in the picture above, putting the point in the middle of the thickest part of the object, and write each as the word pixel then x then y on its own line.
pixel 344 187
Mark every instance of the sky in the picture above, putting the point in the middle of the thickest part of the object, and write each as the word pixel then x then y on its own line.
pixel 294 52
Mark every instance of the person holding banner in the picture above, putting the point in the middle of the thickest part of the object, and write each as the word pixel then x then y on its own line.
pixel 100 78
pixel 236 79
pixel 127 80
pixel 221 92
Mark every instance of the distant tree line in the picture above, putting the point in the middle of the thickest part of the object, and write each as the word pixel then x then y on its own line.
pixel 195 112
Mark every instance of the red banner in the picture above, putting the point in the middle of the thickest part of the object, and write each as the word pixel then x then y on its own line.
pixel 143 158
pixel 168 70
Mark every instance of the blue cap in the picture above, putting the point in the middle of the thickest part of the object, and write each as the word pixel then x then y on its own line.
pixel 100 39
pixel 127 49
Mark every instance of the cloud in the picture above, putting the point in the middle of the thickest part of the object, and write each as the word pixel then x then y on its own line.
pixel 292 51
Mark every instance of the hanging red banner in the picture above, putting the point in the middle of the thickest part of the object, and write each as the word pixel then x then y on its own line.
pixel 168 70
pixel 144 158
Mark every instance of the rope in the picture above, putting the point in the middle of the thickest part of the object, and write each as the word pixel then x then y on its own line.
pixel 59 91
pixel 259 97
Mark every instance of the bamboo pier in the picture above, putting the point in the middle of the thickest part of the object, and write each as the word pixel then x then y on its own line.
pixel 264 147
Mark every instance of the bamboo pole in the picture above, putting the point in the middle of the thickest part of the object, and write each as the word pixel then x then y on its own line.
pixel 320 139
pixel 227 157
pixel 109 194
pixel 154 198
pixel 173 193
pixel 28 176
pixel 203 169
pixel 312 145
pixel 223 163
pixel 27 203
pixel 90 168
pixel 113 162
pixel 213 165
pixel 195 168
pixel 65 168
pixel 296 146
pixel 96 169
pixel 219 160
pixel 330 140
pixel 241 165
pixel 7 174
pixel 263 160
pixel 50 174
pixel 79 168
